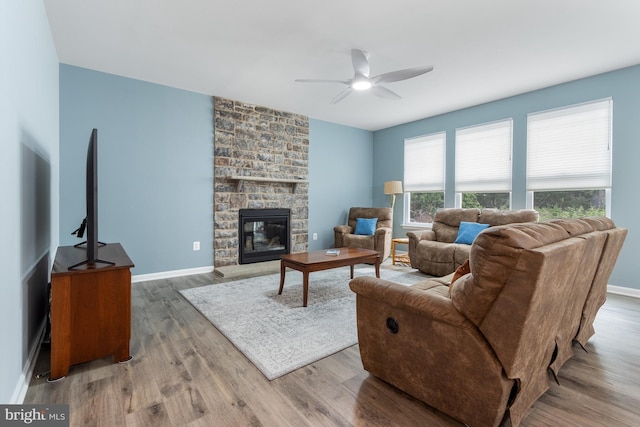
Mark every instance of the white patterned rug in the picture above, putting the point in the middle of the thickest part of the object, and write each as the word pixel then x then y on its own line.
pixel 274 331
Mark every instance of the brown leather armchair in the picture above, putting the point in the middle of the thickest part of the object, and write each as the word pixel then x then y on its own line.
pixel 380 240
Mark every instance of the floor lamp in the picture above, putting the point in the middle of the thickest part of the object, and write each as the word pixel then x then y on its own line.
pixel 392 188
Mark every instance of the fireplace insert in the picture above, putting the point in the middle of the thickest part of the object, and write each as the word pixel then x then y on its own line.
pixel 263 234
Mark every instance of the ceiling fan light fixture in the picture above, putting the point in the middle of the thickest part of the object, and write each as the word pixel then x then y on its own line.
pixel 363 81
pixel 361 84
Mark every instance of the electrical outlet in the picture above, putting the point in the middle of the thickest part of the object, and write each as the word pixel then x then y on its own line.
pixel 315 236
pixel 196 246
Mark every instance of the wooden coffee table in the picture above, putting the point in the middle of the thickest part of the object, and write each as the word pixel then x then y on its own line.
pixel 306 262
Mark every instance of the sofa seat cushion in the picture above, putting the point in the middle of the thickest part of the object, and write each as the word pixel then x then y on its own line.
pixel 440 259
pixel 461 255
pixel 359 241
pixel 433 286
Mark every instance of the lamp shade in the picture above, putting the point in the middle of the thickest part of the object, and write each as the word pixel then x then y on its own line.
pixel 393 187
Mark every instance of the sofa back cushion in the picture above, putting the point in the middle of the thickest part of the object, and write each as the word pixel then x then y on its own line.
pixel 384 215
pixel 517 291
pixel 495 217
pixel 446 222
pixel 494 257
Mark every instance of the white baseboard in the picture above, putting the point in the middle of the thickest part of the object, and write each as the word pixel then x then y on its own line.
pixel 170 274
pixel 25 377
pixel 621 290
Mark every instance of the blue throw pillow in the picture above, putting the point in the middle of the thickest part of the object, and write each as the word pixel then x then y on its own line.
pixel 366 226
pixel 468 232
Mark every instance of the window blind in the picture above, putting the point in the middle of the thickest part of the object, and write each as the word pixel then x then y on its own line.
pixel 424 159
pixel 570 148
pixel 483 158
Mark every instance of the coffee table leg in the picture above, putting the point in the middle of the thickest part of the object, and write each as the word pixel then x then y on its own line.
pixel 282 272
pixel 305 287
pixel 351 267
pixel 378 266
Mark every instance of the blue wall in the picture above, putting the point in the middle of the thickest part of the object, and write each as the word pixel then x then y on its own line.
pixel 155 167
pixel 28 185
pixel 622 85
pixel 340 177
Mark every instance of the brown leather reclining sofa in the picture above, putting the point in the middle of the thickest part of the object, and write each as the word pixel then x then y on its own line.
pixel 434 252
pixel 480 349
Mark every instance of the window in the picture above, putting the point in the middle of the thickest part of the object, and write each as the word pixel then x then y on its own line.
pixel 424 159
pixel 569 160
pixel 483 165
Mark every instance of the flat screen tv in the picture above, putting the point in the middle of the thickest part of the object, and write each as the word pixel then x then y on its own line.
pixel 90 222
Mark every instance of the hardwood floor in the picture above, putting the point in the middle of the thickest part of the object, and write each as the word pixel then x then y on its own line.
pixel 186 373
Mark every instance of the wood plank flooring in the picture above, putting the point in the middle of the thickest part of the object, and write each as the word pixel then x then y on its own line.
pixel 186 373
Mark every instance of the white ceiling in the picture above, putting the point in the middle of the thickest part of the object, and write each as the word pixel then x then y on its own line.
pixel 253 50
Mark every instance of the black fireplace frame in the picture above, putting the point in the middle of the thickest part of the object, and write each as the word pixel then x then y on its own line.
pixel 253 215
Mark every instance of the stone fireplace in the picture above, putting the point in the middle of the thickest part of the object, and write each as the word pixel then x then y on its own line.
pixel 261 159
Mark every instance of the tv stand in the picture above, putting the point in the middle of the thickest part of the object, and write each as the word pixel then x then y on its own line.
pixel 90 308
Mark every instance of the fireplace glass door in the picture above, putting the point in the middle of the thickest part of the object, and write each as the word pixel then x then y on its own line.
pixel 264 234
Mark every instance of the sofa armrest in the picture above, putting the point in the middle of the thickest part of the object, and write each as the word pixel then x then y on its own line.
pixel 338 233
pixel 344 229
pixel 423 302
pixel 421 235
pixel 382 241
pixel 382 231
pixel 429 350
pixel 414 238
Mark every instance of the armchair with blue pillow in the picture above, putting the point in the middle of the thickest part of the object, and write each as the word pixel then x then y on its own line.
pixel 369 228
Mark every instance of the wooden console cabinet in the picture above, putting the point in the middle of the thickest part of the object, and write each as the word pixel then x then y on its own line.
pixel 90 308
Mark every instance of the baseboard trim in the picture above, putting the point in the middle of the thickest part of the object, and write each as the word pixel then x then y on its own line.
pixel 170 274
pixel 25 377
pixel 624 291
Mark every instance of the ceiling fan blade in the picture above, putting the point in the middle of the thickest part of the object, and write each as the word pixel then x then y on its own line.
pixel 360 62
pixel 342 95
pixel 344 82
pixel 396 76
pixel 383 92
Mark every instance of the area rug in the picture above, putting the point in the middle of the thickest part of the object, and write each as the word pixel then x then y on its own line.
pixel 274 331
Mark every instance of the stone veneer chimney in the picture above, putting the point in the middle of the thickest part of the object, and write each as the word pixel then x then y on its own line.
pixel 257 142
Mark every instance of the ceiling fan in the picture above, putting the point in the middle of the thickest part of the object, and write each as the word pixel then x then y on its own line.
pixel 362 81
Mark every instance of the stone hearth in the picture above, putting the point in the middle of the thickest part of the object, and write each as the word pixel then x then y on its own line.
pixel 261 160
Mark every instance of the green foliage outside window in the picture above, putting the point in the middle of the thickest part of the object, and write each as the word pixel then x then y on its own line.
pixel 549 204
pixel 423 206
pixel 569 204
pixel 485 200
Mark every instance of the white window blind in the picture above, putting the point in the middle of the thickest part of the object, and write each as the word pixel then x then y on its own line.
pixel 570 148
pixel 483 158
pixel 424 159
